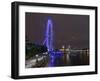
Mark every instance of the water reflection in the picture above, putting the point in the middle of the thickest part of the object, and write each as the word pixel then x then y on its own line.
pixel 55 59
pixel 68 60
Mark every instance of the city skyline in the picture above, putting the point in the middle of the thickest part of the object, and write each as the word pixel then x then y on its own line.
pixel 68 29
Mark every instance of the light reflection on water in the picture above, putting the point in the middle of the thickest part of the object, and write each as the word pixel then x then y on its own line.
pixel 55 59
pixel 60 59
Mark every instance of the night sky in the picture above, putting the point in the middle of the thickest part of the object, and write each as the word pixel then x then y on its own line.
pixel 68 29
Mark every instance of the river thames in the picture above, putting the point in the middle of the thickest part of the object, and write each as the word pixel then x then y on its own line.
pixel 58 59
